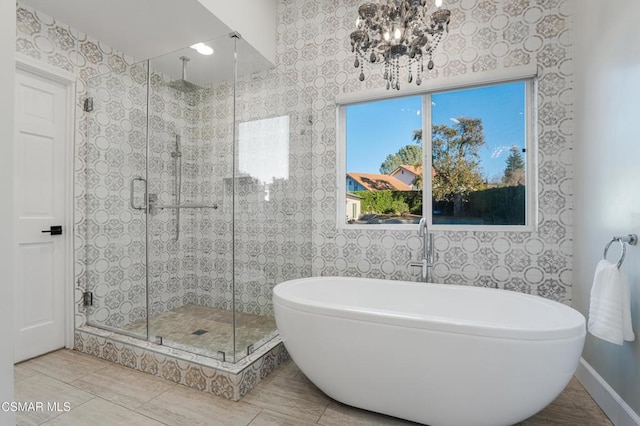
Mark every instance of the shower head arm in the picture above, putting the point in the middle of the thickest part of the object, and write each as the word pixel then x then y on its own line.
pixel 184 60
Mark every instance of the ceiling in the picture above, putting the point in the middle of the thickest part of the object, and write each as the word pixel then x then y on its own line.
pixel 213 69
pixel 158 28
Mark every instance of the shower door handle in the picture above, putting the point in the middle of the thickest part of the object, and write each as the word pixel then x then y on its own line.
pixel 132 190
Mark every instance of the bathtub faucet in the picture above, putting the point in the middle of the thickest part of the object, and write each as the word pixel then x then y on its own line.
pixel 427 250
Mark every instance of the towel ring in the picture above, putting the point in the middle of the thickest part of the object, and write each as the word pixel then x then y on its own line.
pixel 630 239
pixel 622 255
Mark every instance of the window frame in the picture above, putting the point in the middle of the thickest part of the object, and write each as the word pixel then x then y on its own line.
pixel 526 74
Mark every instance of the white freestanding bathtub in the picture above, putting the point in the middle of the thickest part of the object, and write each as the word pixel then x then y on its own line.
pixel 432 353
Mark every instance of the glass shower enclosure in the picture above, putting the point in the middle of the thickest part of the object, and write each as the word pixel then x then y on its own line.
pixel 197 198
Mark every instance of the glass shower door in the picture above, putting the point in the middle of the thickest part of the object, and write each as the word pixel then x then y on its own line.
pixel 189 264
pixel 272 200
pixel 198 198
pixel 115 268
pixel 272 220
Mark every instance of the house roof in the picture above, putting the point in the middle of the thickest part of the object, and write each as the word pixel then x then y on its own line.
pixel 374 182
pixel 411 169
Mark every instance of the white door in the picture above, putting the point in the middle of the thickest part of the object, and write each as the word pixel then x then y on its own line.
pixel 39 170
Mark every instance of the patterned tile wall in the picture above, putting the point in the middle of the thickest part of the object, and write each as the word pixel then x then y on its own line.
pixel 273 237
pixel 313 48
pixel 272 219
pixel 110 151
pixel 40 37
pixel 314 64
pixel 176 264
pixel 116 153
pixel 115 233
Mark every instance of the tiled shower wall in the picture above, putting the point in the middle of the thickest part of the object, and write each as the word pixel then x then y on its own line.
pixel 272 219
pixel 115 154
pixel 273 235
pixel 114 233
pixel 313 48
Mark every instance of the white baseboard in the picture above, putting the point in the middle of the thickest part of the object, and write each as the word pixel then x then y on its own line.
pixel 613 406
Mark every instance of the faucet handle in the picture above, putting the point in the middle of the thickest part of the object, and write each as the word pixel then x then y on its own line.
pixel 423 265
pixel 422 226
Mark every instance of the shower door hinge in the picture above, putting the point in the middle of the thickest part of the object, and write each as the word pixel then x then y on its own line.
pixel 250 349
pixel 87 298
pixel 88 104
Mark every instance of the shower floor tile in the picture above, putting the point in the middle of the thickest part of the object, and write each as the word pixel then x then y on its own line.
pixel 206 330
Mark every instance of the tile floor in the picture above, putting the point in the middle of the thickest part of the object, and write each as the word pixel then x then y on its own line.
pixel 101 393
pixel 177 329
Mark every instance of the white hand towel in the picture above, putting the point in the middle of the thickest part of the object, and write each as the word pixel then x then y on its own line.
pixel 610 307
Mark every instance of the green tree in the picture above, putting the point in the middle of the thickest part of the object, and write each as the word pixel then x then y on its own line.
pixel 514 171
pixel 456 160
pixel 417 138
pixel 409 154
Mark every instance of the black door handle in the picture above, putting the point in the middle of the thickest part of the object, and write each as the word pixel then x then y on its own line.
pixel 54 230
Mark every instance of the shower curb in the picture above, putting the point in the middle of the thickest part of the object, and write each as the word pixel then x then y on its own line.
pixel 227 380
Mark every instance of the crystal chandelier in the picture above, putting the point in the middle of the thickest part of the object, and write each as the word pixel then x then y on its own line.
pixel 398 33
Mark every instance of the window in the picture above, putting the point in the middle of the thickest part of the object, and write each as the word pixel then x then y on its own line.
pixel 263 147
pixel 461 157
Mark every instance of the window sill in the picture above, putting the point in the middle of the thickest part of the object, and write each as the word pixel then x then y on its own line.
pixel 443 228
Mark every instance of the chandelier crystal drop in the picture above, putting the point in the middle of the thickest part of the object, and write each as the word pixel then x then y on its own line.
pixel 398 34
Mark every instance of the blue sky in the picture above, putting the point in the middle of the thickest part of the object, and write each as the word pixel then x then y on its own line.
pixel 377 129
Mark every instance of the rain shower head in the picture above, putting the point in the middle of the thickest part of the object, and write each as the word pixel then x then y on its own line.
pixel 183 85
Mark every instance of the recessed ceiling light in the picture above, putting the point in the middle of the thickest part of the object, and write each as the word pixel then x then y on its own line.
pixel 203 49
